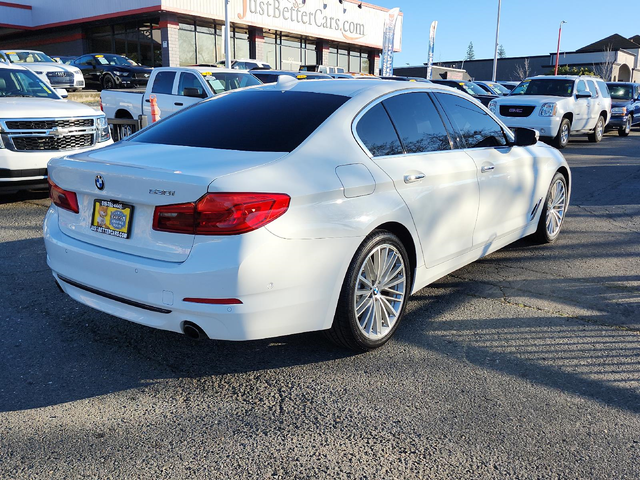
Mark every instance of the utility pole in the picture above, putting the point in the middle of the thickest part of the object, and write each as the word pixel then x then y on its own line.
pixel 495 56
pixel 558 52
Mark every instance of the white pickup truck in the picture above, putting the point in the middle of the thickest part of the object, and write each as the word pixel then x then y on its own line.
pixel 175 88
pixel 37 124
pixel 557 107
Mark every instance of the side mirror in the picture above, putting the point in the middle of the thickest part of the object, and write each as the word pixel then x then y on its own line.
pixel 525 137
pixel 583 94
pixel 62 92
pixel 193 92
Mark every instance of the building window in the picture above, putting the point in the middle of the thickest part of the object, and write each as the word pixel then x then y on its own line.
pixel 139 41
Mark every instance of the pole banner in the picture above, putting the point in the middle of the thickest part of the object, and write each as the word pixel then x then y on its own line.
pixel 386 61
pixel 432 44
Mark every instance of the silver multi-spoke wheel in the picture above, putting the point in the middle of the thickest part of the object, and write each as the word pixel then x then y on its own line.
pixel 380 291
pixel 556 204
pixel 564 133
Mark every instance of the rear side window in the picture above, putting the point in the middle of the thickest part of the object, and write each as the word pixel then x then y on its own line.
pixel 604 90
pixel 377 133
pixel 476 126
pixel 246 120
pixel 163 82
pixel 592 88
pixel 418 123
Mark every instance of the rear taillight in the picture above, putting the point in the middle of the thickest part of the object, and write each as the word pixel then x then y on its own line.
pixel 221 213
pixel 63 198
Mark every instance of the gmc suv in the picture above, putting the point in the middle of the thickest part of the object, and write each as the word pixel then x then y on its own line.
pixel 557 107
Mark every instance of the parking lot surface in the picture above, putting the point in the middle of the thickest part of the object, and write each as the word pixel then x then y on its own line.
pixel 525 364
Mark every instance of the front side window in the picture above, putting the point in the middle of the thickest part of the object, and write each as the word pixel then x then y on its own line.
pixel 581 86
pixel 476 126
pixel 189 80
pixel 248 120
pixel 418 123
pixel 163 82
pixel 377 133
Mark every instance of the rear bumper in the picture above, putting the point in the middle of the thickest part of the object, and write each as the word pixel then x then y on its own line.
pixel 285 286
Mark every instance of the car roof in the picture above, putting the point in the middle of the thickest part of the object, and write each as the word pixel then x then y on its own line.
pixel 565 77
pixel 12 66
pixel 19 50
pixel 212 70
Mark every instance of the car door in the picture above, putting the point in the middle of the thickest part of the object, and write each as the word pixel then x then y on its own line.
pixel 635 106
pixel 188 80
pixel 86 65
pixel 505 173
pixel 162 88
pixel 596 105
pixel 438 183
pixel 581 111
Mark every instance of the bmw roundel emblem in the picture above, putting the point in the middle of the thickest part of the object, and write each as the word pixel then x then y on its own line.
pixel 99 182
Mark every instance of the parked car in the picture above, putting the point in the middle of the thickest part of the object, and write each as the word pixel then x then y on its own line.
pixel 65 59
pixel 37 124
pixel 175 88
pixel 406 79
pixel 107 71
pixel 297 206
pixel 557 107
pixel 625 106
pixel 50 71
pixel 469 88
pixel 245 64
pixel 492 88
pixel 271 76
pixel 508 84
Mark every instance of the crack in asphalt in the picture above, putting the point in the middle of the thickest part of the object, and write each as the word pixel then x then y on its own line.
pixel 606 217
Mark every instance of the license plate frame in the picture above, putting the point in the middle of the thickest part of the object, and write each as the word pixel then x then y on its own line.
pixel 115 214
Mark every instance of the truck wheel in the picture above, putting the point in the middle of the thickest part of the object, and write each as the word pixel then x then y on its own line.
pixel 626 128
pixel 598 132
pixel 108 82
pixel 564 132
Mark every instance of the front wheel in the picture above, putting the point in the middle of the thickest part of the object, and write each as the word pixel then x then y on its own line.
pixel 553 212
pixel 562 137
pixel 598 131
pixel 373 295
pixel 625 130
pixel 108 82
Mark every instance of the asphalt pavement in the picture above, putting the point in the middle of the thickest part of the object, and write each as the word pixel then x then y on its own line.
pixel 523 365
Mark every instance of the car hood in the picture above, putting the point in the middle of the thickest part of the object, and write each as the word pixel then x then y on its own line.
pixel 529 99
pixel 621 103
pixel 48 67
pixel 26 107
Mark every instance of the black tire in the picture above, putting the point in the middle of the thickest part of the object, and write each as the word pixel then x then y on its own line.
pixel 626 129
pixel 542 234
pixel 347 330
pixel 108 82
pixel 562 137
pixel 598 131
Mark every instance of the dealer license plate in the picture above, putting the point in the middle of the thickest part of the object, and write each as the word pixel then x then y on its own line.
pixel 111 218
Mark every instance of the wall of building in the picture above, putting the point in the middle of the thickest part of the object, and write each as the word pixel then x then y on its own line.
pixel 508 68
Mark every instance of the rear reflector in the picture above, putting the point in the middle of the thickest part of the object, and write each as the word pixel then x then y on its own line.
pixel 214 301
pixel 63 198
pixel 221 213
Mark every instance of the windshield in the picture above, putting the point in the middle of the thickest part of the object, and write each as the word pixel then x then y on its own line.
pixel 545 86
pixel 620 92
pixel 112 60
pixel 471 88
pixel 14 83
pixel 222 82
pixel 29 57
pixel 498 89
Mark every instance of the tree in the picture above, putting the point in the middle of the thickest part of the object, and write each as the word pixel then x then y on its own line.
pixel 501 52
pixel 605 69
pixel 470 53
pixel 523 71
pixel 566 70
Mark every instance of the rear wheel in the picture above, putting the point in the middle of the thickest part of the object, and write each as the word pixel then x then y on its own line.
pixel 555 206
pixel 625 130
pixel 373 295
pixel 562 137
pixel 598 131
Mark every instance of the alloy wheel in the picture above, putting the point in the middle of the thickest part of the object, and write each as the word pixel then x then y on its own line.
pixel 555 208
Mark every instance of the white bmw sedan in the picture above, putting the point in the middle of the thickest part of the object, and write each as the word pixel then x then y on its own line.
pixel 296 207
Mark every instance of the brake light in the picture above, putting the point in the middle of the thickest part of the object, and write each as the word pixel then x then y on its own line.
pixel 221 213
pixel 63 198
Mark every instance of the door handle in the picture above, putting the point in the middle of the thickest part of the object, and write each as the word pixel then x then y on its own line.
pixel 487 168
pixel 413 177
pixel 178 104
pixel 147 100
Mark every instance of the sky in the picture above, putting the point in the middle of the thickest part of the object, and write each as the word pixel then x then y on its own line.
pixel 527 27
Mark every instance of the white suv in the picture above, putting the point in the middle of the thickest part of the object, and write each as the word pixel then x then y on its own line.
pixel 557 107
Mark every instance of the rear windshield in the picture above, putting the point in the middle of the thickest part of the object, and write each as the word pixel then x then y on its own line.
pixel 249 120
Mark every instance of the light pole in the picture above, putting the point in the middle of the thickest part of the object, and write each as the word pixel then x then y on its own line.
pixel 227 34
pixel 558 52
pixel 495 55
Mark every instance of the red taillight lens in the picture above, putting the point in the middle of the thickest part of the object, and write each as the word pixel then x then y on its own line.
pixel 221 213
pixel 63 198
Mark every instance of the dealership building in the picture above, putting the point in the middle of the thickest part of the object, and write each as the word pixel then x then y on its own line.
pixel 285 33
